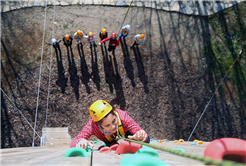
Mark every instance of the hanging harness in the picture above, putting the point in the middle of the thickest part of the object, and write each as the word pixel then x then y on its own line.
pixel 112 41
pixel 78 36
pixel 125 31
pixel 139 40
pixel 120 128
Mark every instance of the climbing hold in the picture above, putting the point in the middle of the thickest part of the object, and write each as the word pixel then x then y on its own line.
pixel 104 150
pixel 227 149
pixel 97 142
pixel 167 141
pixel 152 140
pixel 88 149
pixel 127 147
pixel 163 140
pixel 148 151
pixel 200 142
pixel 157 140
pixel 100 147
pixel 114 147
pixel 175 142
pixel 181 140
pixel 102 143
pixel 141 160
pixel 72 152
pixel 194 143
pixel 195 140
pixel 178 149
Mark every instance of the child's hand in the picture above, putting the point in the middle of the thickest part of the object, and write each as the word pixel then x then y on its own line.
pixel 139 135
pixel 83 143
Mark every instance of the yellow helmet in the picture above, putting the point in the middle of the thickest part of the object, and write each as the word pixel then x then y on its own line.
pixel 142 36
pixel 99 109
pixel 103 30
pixel 79 32
pixel 67 37
pixel 90 34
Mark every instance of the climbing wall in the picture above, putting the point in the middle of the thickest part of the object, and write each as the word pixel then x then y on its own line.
pixel 54 155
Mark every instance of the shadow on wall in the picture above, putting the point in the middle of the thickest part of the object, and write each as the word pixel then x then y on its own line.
pixel 219 67
pixel 127 62
pixel 108 68
pixel 8 132
pixel 62 80
pixel 74 78
pixel 186 105
pixel 95 72
pixel 85 78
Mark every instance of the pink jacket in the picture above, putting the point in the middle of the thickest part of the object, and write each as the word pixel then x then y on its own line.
pixel 92 129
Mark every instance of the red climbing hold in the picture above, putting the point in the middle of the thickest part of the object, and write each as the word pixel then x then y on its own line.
pixel 104 150
pixel 100 147
pixel 127 147
pixel 114 147
pixel 228 149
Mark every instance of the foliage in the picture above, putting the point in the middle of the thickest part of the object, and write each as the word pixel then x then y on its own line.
pixel 227 39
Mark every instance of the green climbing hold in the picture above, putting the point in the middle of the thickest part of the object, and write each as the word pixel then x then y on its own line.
pixel 88 149
pixel 148 151
pixel 97 142
pixel 73 152
pixel 178 149
pixel 141 160
pixel 103 144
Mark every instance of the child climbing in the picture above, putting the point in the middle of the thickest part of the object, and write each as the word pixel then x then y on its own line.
pixel 68 40
pixel 125 31
pixel 138 39
pixel 104 126
pixel 113 42
pixel 91 39
pixel 55 44
pixel 103 34
pixel 78 35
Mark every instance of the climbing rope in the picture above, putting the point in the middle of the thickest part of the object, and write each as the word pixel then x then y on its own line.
pixel 179 153
pixel 213 95
pixel 50 71
pixel 19 111
pixel 125 16
pixel 39 75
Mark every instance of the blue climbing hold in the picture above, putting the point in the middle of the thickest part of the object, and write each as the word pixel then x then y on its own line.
pixel 167 141
pixel 194 143
pixel 73 152
pixel 97 142
pixel 152 140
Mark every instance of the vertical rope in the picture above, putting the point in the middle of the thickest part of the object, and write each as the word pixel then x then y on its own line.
pixel 50 71
pixel 213 95
pixel 39 75
pixel 125 16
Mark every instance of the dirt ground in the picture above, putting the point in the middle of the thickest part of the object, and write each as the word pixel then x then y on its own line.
pixel 164 84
